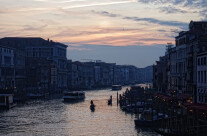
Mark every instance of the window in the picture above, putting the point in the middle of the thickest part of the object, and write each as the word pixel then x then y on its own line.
pixel 201 61
pixel 204 76
pixel 198 62
pixel 7 60
pixel 199 77
pixel 204 61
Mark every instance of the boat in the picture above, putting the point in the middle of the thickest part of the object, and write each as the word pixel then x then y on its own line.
pixel 35 95
pixel 73 96
pixel 116 87
pixel 92 106
pixel 148 118
pixel 6 101
pixel 110 100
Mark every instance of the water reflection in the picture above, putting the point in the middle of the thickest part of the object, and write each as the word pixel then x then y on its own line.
pixel 53 117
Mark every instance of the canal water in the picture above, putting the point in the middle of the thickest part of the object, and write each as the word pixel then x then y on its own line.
pixel 56 118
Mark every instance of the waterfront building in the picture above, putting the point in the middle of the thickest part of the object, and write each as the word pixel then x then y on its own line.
pixel 20 75
pixel 88 75
pixel 117 75
pixel 97 75
pixel 160 76
pixel 41 76
pixel 172 73
pixel 125 74
pixel 38 48
pixel 197 37
pixel 19 62
pixel 202 76
pixel 106 73
pixel 132 74
pixel 7 69
pixel 52 51
pixel 182 60
pixel 145 75
pixel 181 57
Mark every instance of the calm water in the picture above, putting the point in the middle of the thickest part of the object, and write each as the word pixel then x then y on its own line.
pixel 55 118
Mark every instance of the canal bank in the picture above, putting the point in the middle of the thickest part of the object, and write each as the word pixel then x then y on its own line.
pixel 53 117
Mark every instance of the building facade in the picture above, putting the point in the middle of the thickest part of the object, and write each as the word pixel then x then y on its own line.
pixel 160 76
pixel 202 77
pixel 7 68
pixel 31 48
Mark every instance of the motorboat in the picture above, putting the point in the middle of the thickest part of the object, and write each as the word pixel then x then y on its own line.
pixel 6 101
pixel 73 96
pixel 116 87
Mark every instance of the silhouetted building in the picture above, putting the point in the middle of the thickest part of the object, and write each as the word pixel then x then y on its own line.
pixel 41 76
pixel 183 65
pixel 145 75
pixel 37 48
pixel 7 69
pixel 202 75
pixel 160 76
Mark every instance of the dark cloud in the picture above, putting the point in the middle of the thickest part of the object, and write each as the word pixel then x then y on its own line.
pixel 33 28
pixel 175 2
pixel 162 30
pixel 149 20
pixel 170 10
pixel 105 13
pixel 157 21
pixel 200 5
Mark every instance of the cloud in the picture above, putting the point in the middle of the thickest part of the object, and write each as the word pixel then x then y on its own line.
pixel 97 4
pixel 149 20
pixel 95 31
pixel 55 5
pixel 170 10
pixel 157 21
pixel 56 1
pixel 105 13
pixel 198 5
pixel 24 10
pixel 123 40
pixel 162 30
pixel 33 28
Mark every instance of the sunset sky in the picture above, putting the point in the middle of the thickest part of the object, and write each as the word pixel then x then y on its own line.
pixel 121 31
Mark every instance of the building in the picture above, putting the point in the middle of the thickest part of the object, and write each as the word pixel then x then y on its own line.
pixel 172 71
pixel 19 62
pixel 202 76
pixel 31 48
pixel 41 76
pixel 145 75
pixel 56 52
pixel 7 68
pixel 117 75
pixel 181 57
pixel 182 60
pixel 160 76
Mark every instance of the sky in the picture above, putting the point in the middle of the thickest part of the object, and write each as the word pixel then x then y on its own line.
pixel 132 32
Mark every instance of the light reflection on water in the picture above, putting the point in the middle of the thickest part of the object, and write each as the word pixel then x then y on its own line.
pixel 55 118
